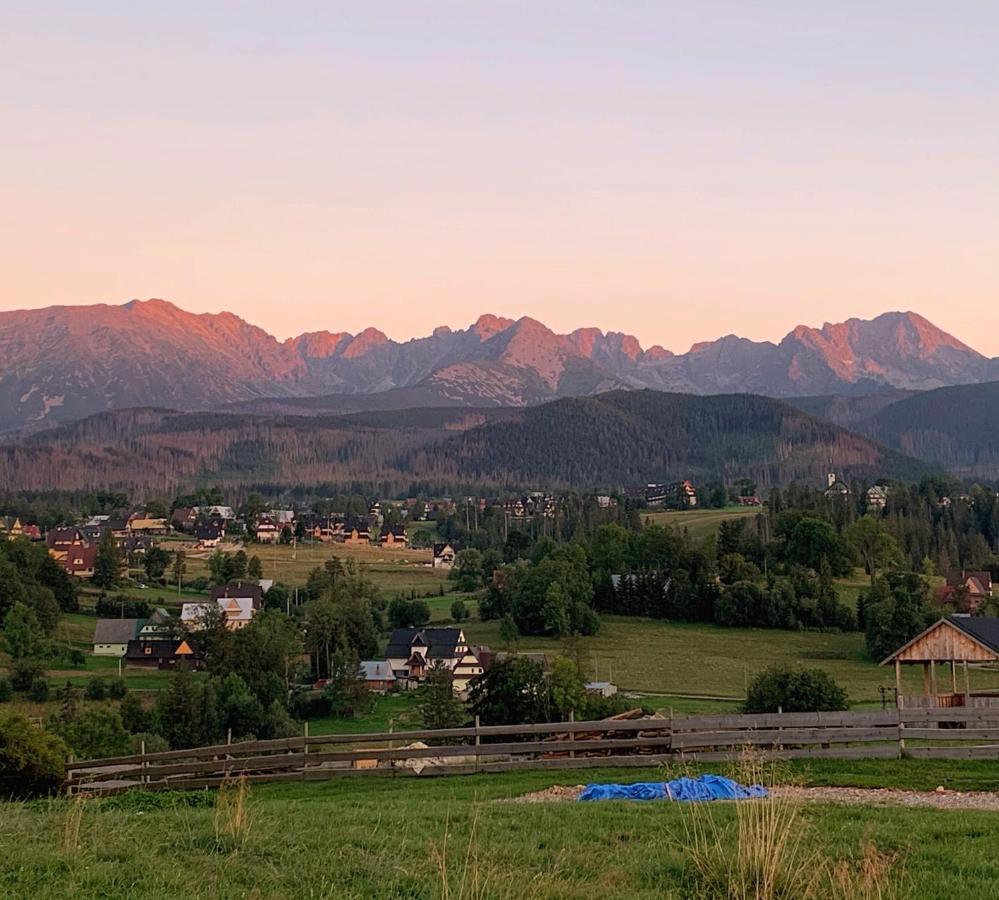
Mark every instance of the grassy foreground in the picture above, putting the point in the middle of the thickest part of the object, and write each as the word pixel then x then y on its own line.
pixel 384 838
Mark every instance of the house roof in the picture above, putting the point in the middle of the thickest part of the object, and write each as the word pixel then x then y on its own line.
pixel 975 580
pixel 397 531
pixel 238 589
pixel 116 631
pixel 984 629
pixel 377 670
pixel 440 548
pixel 440 642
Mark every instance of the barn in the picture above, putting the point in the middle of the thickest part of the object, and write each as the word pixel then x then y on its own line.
pixel 955 643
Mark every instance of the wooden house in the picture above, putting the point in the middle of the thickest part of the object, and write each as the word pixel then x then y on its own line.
pixel 357 534
pixel 162 654
pixel 954 642
pixel 393 536
pixel 268 531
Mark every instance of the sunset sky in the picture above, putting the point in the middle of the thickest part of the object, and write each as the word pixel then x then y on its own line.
pixel 673 170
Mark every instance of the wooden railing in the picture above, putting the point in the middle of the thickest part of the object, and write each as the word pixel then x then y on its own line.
pixel 967 733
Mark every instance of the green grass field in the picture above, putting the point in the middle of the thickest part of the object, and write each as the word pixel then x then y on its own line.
pixel 394 571
pixel 385 838
pixel 658 657
pixel 699 523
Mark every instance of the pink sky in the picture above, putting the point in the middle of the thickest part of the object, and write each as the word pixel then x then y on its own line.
pixel 642 167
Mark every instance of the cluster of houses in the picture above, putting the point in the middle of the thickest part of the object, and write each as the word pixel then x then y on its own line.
pixel 161 641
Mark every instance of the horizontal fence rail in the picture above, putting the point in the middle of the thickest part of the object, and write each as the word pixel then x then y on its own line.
pixel 958 733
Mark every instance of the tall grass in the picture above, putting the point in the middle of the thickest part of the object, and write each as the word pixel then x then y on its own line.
pixel 72 824
pixel 772 851
pixel 231 819
pixel 466 880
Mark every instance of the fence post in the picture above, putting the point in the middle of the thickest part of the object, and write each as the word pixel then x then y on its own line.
pixel 670 729
pixel 901 727
pixel 572 732
pixel 142 752
pixel 477 743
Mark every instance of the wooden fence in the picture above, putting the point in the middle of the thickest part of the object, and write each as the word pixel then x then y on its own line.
pixel 969 733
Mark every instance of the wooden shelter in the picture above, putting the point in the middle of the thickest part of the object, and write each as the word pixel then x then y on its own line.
pixel 958 640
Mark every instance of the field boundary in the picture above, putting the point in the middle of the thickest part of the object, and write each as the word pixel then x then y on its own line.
pixel 959 733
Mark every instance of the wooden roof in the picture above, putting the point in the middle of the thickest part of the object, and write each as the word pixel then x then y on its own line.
pixel 970 638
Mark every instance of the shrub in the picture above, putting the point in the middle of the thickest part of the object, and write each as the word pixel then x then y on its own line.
pixel 32 761
pixel 39 691
pixel 24 673
pixel 788 689
pixel 459 612
pixel 6 691
pixel 97 732
pixel 117 689
pixel 76 658
pixel 96 689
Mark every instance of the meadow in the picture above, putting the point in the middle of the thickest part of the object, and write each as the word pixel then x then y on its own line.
pixel 421 838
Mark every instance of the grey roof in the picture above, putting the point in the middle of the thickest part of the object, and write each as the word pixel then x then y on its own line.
pixel 116 631
pixel 440 642
pixel 984 629
pixel 377 670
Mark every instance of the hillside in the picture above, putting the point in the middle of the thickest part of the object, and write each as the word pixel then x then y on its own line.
pixel 625 438
pixel 952 427
pixel 64 363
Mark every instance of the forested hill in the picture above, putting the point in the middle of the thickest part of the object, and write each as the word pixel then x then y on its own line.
pixel 955 428
pixel 620 439
pixel 629 437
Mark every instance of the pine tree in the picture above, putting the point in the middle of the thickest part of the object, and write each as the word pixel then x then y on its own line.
pixel 107 564
pixel 439 707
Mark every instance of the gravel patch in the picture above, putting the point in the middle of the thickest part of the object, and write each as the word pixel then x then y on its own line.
pixel 940 798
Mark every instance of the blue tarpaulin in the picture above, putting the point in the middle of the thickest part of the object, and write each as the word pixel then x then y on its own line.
pixel 707 787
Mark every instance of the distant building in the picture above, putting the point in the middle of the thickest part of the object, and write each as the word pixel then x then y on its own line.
pixel 268 531
pixel 378 675
pixel 674 495
pixel 112 636
pixel 162 654
pixel 601 688
pixel 393 536
pixel 876 496
pixel 443 556
pixel 412 651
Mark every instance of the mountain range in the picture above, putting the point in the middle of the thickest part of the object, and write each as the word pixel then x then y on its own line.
pixel 63 363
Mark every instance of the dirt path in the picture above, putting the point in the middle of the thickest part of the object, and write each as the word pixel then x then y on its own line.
pixel 940 798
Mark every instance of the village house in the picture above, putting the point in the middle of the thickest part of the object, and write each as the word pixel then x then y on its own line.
pixel 356 534
pixel 378 675
pixel 10 528
pixel 876 497
pixel 237 613
pixel 836 487
pixel 412 651
pixel 966 590
pixel 240 590
pixel 209 536
pixel 112 636
pixel 443 556
pixel 137 544
pixel 79 560
pixel 60 540
pixel 142 523
pixel 393 536
pixel 184 518
pixel 268 531
pixel 162 654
